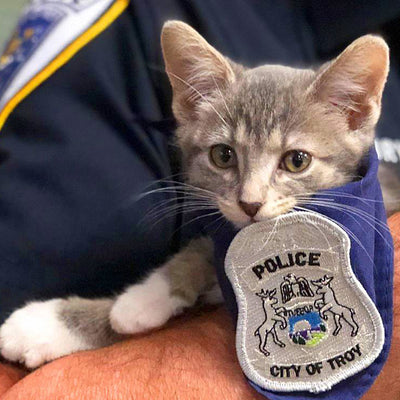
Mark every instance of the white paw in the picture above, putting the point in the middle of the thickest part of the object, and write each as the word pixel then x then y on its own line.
pixel 34 335
pixel 145 306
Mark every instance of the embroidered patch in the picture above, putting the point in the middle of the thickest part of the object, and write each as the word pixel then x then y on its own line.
pixel 305 322
pixel 73 4
pixel 44 30
pixel 32 28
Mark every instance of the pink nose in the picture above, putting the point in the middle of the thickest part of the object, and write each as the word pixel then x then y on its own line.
pixel 250 209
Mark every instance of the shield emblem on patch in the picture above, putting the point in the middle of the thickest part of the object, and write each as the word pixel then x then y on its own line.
pixel 305 322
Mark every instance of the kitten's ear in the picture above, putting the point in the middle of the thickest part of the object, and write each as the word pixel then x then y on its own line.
pixel 354 81
pixel 195 69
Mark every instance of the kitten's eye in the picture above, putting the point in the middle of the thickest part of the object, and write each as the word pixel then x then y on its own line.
pixel 223 156
pixel 296 161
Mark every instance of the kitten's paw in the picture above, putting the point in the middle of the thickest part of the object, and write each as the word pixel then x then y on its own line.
pixel 33 335
pixel 145 306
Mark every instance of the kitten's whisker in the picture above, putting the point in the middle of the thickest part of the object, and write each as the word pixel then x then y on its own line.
pixel 336 222
pixel 213 222
pixel 331 194
pixel 182 205
pixel 161 69
pixel 312 198
pixel 348 231
pixel 155 212
pixel 187 210
pixel 200 217
pixel 193 187
pixel 364 218
pixel 351 209
pixel 322 233
pixel 200 94
pixel 223 223
pixel 347 213
pixel 166 178
pixel 347 195
pixel 178 200
pixel 366 215
pixel 367 219
pixel 333 203
pixel 222 97
pixel 183 190
pixel 182 198
pixel 217 86
pixel 157 209
pixel 271 234
pixel 171 213
pixel 185 198
pixel 188 187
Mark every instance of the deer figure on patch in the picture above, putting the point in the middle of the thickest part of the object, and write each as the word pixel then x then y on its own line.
pixel 329 303
pixel 272 317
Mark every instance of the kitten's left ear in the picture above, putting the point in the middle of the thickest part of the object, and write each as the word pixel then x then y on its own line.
pixel 355 80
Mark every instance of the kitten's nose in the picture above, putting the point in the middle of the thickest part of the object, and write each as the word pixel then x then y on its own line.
pixel 250 209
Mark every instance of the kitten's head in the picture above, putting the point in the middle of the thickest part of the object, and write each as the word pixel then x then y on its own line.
pixel 260 139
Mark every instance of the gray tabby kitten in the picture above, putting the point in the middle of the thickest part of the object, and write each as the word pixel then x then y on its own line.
pixel 256 143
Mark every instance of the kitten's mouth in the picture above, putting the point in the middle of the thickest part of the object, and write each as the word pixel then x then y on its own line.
pixel 237 217
pixel 254 220
pixel 243 224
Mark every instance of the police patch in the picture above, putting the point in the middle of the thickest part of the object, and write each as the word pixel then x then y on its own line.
pixel 305 322
pixel 44 30
pixel 73 4
pixel 32 28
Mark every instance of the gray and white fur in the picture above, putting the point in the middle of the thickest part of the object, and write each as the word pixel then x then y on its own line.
pixel 238 130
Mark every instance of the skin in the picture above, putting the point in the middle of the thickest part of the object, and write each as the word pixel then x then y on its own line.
pixel 201 363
